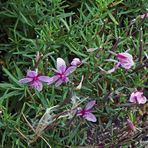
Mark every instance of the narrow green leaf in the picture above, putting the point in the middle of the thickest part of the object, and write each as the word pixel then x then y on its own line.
pixel 112 17
pixel 10 76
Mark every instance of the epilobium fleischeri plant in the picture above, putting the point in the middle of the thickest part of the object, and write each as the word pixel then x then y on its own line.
pixel 87 112
pixel 62 72
pixel 34 80
pixel 138 97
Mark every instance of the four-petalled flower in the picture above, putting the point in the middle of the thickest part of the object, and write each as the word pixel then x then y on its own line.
pixel 62 73
pixel 34 80
pixel 87 112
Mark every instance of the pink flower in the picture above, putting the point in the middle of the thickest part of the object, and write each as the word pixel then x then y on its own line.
pixel 138 97
pixel 144 15
pixel 125 60
pixel 35 80
pixel 131 126
pixel 62 73
pixel 86 112
pixel 76 62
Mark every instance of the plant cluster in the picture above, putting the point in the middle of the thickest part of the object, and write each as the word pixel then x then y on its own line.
pixel 86 73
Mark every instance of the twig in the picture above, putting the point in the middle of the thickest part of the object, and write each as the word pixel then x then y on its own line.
pixel 114 47
pixel 28 122
pixel 141 45
pixel 134 45
pixel 141 66
pixel 38 60
pixel 70 121
pixel 34 131
pixel 46 141
pixel 140 24
pixel 135 137
pixel 21 134
pixel 46 66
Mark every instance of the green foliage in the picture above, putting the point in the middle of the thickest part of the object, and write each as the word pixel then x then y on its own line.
pixel 66 29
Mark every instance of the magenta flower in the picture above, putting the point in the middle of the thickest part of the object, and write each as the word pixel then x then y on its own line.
pixel 86 112
pixel 138 97
pixel 62 73
pixel 34 80
pixel 76 62
pixel 125 60
pixel 144 15
pixel 131 126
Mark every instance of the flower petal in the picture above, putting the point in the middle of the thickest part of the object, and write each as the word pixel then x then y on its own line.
pixel 31 73
pixel 90 117
pixel 114 68
pixel 25 80
pixel 125 66
pixel 59 82
pixel 44 79
pixel 142 100
pixel 61 66
pixel 111 70
pixel 144 15
pixel 80 84
pixel 132 100
pixel 123 56
pixel 53 79
pixel 66 79
pixel 90 105
pixel 37 85
pixel 70 70
pixel 92 49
